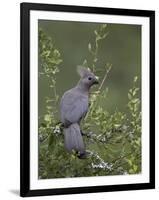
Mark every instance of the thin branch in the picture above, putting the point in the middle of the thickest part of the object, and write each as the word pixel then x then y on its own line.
pixel 98 91
pixel 105 77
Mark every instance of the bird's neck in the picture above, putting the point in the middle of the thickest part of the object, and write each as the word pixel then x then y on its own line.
pixel 82 87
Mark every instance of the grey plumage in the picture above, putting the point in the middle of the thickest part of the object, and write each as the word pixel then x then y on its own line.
pixel 73 139
pixel 73 107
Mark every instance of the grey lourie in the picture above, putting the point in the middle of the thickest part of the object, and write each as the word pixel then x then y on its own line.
pixel 73 107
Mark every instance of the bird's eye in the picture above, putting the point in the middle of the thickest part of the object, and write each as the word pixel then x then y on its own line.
pixel 89 78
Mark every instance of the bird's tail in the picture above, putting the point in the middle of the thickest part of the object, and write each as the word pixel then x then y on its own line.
pixel 73 139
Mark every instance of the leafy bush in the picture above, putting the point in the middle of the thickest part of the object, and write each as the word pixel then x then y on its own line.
pixel 113 139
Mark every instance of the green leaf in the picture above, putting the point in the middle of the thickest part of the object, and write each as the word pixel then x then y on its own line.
pixel 135 78
pixel 135 167
pixel 96 33
pixel 129 96
pixel 131 171
pixel 47 117
pixel 85 64
pixel 135 100
pixel 89 47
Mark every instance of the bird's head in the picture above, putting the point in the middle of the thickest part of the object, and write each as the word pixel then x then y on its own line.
pixel 87 77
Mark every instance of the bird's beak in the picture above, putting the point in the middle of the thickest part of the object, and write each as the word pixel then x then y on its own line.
pixel 96 81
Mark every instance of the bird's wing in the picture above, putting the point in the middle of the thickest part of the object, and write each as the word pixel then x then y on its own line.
pixel 73 107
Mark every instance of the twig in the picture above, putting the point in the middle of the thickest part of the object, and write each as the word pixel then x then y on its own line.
pixel 106 74
pixel 98 91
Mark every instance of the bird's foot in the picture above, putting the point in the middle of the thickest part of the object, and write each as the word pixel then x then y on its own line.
pixel 82 133
pixel 84 155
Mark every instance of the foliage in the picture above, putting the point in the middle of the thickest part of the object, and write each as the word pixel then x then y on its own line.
pixel 112 139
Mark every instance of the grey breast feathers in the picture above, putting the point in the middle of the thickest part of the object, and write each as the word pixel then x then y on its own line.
pixel 73 106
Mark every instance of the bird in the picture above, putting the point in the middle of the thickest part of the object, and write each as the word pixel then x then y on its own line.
pixel 74 106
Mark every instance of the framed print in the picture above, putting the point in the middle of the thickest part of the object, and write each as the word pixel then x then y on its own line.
pixel 87 99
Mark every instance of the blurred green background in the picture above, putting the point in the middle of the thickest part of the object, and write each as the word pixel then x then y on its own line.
pixel 121 48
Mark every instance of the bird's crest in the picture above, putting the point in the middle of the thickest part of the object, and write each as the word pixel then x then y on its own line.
pixel 82 71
